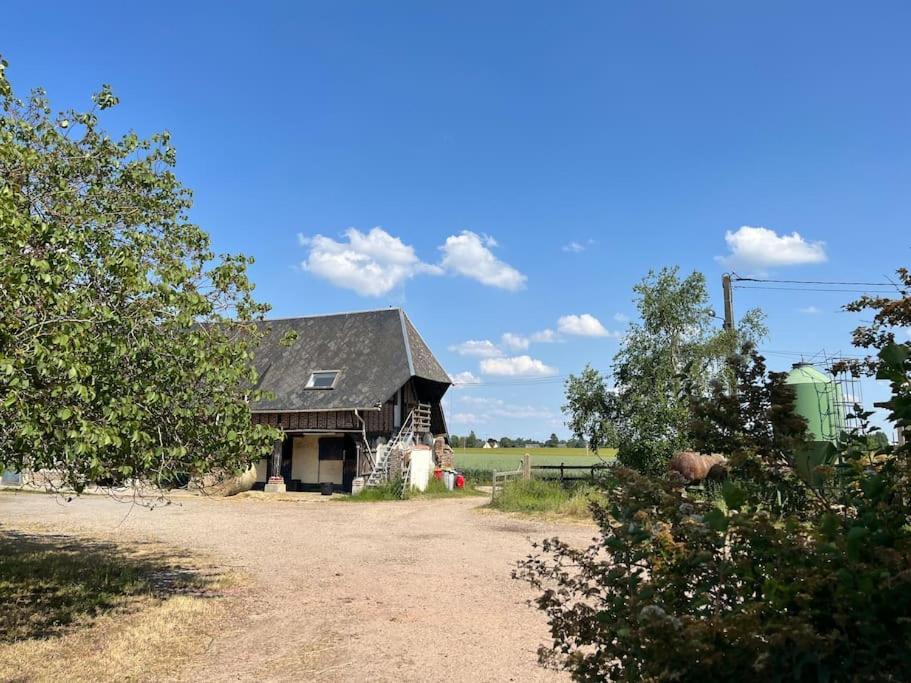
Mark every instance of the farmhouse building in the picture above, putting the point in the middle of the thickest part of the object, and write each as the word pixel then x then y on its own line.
pixel 348 388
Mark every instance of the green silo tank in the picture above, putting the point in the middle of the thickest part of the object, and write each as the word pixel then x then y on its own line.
pixel 818 400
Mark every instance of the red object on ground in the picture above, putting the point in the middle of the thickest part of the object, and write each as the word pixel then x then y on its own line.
pixel 438 473
pixel 460 481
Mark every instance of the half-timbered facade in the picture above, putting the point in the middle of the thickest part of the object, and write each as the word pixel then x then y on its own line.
pixel 345 384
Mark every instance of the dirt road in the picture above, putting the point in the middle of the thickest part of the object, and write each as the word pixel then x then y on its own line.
pixel 410 591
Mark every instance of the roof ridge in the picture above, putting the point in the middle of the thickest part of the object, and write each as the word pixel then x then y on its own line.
pixel 417 332
pixel 407 341
pixel 333 315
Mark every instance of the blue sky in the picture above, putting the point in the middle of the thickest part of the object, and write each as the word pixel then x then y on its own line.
pixel 523 164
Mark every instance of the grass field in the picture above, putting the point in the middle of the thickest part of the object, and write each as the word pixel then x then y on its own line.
pixel 489 459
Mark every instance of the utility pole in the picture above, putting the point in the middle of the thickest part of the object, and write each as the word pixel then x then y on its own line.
pixel 728 301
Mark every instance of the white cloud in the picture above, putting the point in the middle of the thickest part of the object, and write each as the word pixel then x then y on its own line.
pixel 810 310
pixel 470 254
pixel 523 413
pixel 547 336
pixel 461 379
pixel 515 342
pixel 584 325
pixel 479 401
pixel 516 366
pixel 468 418
pixel 495 407
pixel 479 348
pixel 621 317
pixel 763 248
pixel 574 247
pixel 371 264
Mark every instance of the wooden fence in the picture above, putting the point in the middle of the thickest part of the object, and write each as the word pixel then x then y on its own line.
pixel 502 478
pixel 525 470
pixel 563 468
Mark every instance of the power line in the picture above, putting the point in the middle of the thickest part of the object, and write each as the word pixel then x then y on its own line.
pixel 817 289
pixel 519 382
pixel 812 282
pixel 806 354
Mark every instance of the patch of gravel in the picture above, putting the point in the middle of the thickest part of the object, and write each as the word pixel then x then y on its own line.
pixel 400 591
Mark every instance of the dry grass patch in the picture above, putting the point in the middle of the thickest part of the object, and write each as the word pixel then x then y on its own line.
pixel 84 609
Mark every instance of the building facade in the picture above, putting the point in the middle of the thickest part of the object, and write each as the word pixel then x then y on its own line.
pixel 339 386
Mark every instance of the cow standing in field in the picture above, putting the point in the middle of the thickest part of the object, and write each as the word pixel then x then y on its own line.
pixel 695 467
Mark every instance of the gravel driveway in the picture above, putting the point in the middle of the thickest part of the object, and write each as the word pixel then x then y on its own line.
pixel 417 590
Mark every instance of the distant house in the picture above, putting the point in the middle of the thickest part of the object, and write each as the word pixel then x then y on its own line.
pixel 491 443
pixel 349 383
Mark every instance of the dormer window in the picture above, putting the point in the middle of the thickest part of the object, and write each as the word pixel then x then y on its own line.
pixel 322 379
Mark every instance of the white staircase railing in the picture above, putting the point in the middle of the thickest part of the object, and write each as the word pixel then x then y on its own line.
pixel 406 480
pixel 403 439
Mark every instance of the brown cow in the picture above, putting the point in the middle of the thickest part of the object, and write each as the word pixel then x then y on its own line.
pixel 694 466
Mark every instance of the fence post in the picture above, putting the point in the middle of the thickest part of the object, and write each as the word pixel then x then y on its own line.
pixel 526 467
pixel 493 486
pixel 561 472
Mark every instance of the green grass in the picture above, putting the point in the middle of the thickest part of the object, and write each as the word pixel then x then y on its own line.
pixel 390 491
pixel 437 489
pixel 478 463
pixel 538 497
pixel 387 491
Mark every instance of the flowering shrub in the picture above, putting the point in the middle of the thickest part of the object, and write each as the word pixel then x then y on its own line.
pixel 782 578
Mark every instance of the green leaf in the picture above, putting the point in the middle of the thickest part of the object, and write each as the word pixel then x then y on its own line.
pixel 855 541
pixel 734 496
pixel 894 354
pixel 716 519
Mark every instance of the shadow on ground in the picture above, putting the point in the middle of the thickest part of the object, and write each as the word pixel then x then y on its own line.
pixel 50 581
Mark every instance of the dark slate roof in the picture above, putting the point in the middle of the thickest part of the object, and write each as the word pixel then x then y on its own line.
pixel 375 352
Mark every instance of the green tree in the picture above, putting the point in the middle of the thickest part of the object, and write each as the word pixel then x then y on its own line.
pixel 472 441
pixel 591 408
pixel 125 344
pixel 674 344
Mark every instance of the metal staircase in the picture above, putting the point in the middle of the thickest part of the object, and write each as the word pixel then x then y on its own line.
pixel 417 422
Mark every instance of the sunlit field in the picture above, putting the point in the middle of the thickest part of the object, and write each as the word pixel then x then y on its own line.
pixel 489 459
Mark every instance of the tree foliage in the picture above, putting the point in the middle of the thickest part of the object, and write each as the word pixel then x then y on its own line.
pixel 125 344
pixel 674 344
pixel 686 587
pixel 591 409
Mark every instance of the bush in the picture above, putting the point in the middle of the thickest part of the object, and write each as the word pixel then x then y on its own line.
pixel 815 588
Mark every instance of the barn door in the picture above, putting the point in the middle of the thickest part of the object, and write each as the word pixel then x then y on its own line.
pixel 331 459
